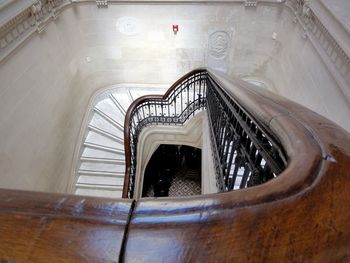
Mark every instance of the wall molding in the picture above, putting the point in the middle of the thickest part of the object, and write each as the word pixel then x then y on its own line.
pixel 32 19
pixel 336 60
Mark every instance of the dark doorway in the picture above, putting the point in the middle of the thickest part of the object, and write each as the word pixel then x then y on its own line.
pixel 173 170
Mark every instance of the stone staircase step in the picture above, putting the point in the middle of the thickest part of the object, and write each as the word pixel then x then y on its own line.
pixel 102 160
pixel 109 119
pixel 108 107
pixel 100 154
pixel 123 98
pixel 106 167
pixel 100 187
pixel 118 104
pixel 101 173
pixel 97 138
pixel 104 148
pixel 131 98
pixel 102 123
pixel 106 133
pixel 99 192
pixel 100 180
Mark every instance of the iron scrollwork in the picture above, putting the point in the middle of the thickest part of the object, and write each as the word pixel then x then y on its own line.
pixel 244 154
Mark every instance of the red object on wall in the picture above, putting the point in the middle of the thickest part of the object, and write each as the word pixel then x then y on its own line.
pixel 175 29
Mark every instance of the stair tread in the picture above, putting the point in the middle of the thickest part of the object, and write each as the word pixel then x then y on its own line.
pixel 99 192
pixel 109 108
pixel 102 160
pixel 110 119
pixel 123 99
pixel 105 167
pixel 118 104
pixel 102 123
pixel 102 173
pixel 99 186
pixel 106 133
pixel 104 148
pixel 100 180
pixel 96 138
pixel 97 153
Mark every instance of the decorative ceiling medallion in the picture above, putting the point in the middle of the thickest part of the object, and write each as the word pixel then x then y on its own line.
pixel 219 44
pixel 128 26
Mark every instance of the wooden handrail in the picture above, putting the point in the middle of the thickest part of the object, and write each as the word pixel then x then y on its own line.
pixel 43 227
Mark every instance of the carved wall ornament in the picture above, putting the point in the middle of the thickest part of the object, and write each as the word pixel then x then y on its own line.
pixel 102 3
pixel 306 12
pixel 331 48
pixel 250 3
pixel 333 55
pixel 300 3
pixel 128 26
pixel 219 43
pixel 33 19
pixel 36 10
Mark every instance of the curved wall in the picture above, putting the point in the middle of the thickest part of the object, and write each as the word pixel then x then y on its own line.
pixel 47 82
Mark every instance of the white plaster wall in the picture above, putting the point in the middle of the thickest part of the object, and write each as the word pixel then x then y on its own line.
pixel 45 86
pixel 299 73
pixel 36 114
pixel 208 168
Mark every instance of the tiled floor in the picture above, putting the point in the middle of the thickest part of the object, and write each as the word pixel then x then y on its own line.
pixel 186 182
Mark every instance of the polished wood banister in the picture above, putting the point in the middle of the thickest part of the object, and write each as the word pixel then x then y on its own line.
pixel 43 227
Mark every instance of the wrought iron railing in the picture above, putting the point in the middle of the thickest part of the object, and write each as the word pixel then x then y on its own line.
pixel 181 101
pixel 245 154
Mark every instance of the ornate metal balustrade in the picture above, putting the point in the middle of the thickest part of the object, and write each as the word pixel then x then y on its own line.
pixel 244 154
pixel 182 100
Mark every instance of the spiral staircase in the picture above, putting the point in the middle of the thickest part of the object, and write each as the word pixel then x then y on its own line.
pixel 101 166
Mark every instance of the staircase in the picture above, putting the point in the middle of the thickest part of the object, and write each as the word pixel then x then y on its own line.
pixel 101 167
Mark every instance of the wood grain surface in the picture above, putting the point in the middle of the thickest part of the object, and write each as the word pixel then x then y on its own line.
pixel 41 227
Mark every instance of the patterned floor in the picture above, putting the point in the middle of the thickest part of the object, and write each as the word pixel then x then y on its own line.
pixel 186 182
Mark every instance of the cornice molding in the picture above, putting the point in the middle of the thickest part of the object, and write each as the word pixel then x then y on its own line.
pixel 28 18
pixel 336 60
pixel 9 9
